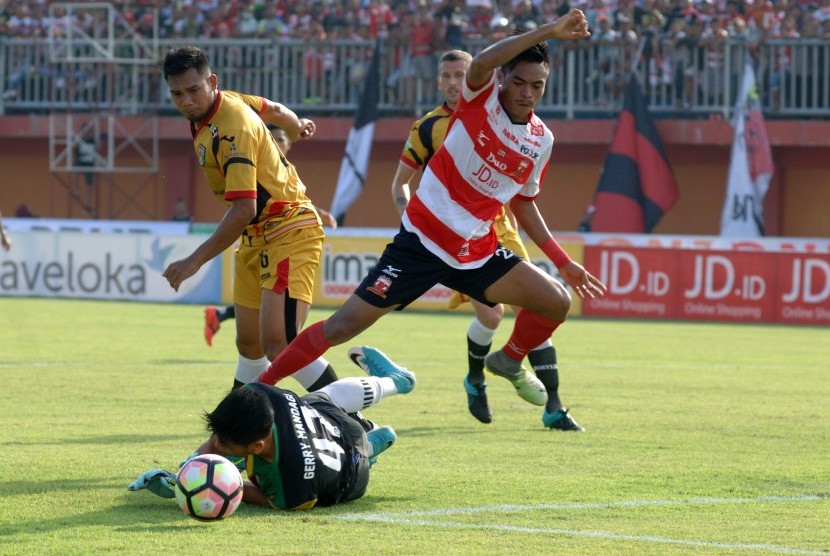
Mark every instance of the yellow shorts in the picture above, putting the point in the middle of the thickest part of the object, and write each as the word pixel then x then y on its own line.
pixel 508 237
pixel 288 263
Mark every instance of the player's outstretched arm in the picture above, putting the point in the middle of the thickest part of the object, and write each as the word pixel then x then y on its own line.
pixel 228 231
pixel 252 494
pixel 580 280
pixel 570 26
pixel 296 128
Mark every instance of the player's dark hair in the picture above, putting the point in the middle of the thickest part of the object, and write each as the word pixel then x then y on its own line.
pixel 244 416
pixel 178 60
pixel 536 54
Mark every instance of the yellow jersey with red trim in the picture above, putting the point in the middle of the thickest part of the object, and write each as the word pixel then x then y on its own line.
pixel 241 159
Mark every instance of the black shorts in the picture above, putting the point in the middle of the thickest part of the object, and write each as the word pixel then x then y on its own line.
pixel 354 442
pixel 406 270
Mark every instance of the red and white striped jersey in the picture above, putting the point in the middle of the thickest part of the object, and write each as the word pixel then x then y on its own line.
pixel 485 161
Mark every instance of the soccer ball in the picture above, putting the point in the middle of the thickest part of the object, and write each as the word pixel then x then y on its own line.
pixel 208 487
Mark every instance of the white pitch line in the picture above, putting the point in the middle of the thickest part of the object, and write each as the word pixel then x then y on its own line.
pixel 5 365
pixel 595 505
pixel 675 366
pixel 401 518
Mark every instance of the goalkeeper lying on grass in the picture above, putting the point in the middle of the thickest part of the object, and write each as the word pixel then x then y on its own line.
pixel 299 451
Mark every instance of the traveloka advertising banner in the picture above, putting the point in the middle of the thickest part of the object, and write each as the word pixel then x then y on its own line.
pixel 104 266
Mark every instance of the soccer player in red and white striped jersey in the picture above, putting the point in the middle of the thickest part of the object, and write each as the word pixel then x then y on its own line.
pixel 496 152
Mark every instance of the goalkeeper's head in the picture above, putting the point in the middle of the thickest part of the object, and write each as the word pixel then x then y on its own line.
pixel 242 419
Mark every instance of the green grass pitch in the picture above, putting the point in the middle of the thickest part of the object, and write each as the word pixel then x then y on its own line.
pixel 701 439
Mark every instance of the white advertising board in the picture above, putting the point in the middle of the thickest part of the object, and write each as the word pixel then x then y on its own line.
pixel 104 266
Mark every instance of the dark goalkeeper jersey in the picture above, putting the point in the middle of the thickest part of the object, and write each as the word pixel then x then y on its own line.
pixel 316 461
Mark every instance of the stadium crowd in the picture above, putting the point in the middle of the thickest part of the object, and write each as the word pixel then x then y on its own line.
pixel 439 23
pixel 679 45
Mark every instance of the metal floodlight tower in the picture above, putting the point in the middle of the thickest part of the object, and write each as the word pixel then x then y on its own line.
pixel 102 94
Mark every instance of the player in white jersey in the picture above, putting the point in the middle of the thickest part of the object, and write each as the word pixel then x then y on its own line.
pixel 426 136
pixel 496 152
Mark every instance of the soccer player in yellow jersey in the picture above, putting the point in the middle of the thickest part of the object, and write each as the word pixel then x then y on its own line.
pixel 426 137
pixel 281 233
pixel 215 316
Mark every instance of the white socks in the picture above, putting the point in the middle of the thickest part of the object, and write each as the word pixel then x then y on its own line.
pixel 353 394
pixel 248 370
pixel 544 345
pixel 480 334
pixel 309 374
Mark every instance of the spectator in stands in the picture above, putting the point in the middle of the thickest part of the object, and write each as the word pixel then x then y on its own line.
pixel 21 23
pixel 270 25
pixel 422 51
pixel 500 27
pixel 380 17
pixel 180 212
pixel 319 67
pixel 33 18
pixel 246 25
pixel 86 154
pixel 756 21
pixel 680 42
pixel 23 211
pixel 525 15
pixel 760 15
pixel 783 61
pixel 480 13
pixel 733 18
pixel 188 21
pixel 603 76
pixel 454 18
pixel 396 43
pixel 822 13
pixel 713 40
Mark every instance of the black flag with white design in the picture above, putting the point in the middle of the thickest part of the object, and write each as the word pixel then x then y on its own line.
pixel 355 163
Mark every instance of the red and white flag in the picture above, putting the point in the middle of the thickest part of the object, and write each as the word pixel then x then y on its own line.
pixel 750 168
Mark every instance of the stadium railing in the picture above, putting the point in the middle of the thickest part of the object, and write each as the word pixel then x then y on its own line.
pixel 326 78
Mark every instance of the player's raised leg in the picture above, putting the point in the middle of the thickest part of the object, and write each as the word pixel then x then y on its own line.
pixel 353 394
pixel 281 317
pixel 352 318
pixel 377 364
pixel 545 305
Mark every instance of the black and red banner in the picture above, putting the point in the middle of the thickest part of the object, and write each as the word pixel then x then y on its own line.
pixel 637 184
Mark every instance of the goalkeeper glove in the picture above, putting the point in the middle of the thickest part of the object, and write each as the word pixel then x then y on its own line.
pixel 158 481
